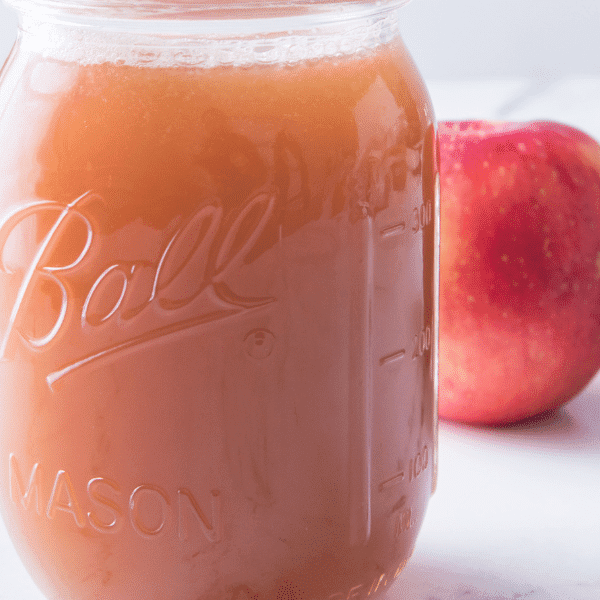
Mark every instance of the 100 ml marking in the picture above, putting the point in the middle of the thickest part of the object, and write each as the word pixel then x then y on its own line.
pixel 418 464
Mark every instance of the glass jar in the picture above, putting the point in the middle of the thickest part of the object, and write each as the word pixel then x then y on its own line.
pixel 218 316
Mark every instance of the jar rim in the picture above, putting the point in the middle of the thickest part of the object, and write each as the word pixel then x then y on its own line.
pixel 193 9
pixel 223 38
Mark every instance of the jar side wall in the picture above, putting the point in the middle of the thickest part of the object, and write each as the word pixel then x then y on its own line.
pixel 210 379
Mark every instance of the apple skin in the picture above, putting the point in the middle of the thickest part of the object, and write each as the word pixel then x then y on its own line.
pixel 519 268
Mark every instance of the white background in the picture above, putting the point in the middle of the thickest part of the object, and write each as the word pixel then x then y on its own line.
pixel 517 510
pixel 462 39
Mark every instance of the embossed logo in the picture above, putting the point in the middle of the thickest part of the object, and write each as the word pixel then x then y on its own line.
pixel 185 286
pixel 109 511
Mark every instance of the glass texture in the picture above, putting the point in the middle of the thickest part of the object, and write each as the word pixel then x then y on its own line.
pixel 218 303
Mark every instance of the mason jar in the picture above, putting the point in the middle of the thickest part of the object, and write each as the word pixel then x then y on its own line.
pixel 218 298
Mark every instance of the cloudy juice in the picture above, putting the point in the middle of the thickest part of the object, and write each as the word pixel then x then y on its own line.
pixel 217 324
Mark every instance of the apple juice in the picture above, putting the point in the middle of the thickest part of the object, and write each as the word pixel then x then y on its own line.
pixel 217 324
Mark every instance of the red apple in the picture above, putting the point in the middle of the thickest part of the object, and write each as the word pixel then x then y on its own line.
pixel 520 268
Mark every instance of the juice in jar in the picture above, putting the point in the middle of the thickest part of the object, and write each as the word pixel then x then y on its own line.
pixel 217 324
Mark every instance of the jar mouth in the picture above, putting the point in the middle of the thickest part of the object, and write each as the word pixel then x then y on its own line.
pixel 207 38
pixel 197 9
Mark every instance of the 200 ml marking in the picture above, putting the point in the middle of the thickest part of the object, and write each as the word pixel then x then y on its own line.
pixel 392 358
pixel 422 342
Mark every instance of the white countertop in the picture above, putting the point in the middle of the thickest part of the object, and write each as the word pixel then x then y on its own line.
pixel 517 511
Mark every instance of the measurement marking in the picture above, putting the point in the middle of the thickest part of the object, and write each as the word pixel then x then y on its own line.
pixel 393 229
pixel 390 358
pixel 391 481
